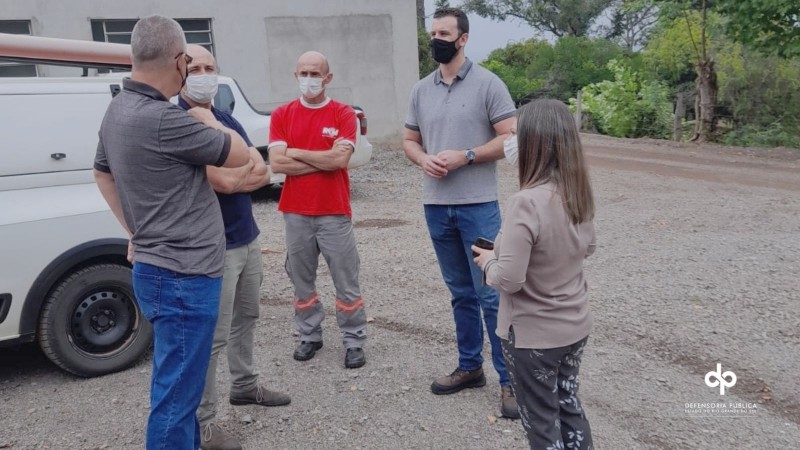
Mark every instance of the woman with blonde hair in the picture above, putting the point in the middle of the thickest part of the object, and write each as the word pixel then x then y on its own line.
pixel 537 266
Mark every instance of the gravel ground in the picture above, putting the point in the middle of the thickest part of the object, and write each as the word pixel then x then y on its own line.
pixel 697 265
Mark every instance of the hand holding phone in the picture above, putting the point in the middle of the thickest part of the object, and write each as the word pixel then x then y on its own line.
pixel 483 243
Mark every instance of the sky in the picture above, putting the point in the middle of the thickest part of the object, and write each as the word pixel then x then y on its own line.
pixel 486 35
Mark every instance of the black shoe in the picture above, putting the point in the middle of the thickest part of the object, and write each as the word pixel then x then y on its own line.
pixel 355 358
pixel 307 350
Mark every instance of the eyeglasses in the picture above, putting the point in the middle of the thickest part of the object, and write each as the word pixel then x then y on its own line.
pixel 186 57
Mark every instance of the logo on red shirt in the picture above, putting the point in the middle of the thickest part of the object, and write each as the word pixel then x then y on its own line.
pixel 330 132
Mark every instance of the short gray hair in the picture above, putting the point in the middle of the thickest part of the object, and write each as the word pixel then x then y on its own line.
pixel 156 40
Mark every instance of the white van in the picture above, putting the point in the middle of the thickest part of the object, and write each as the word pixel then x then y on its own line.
pixel 64 277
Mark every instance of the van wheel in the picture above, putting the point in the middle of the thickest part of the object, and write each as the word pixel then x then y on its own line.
pixel 90 323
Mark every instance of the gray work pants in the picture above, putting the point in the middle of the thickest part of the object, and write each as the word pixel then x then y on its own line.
pixel 306 238
pixel 238 313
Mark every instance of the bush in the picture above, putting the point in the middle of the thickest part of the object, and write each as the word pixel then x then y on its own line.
pixel 629 106
pixel 776 135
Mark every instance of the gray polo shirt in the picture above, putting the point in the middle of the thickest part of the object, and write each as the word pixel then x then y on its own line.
pixel 460 116
pixel 157 154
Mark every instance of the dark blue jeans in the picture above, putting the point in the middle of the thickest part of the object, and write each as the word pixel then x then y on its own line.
pixel 183 310
pixel 453 230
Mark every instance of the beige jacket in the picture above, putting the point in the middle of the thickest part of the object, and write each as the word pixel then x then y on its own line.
pixel 539 271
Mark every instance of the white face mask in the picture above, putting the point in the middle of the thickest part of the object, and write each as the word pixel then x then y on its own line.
pixel 510 148
pixel 310 86
pixel 201 88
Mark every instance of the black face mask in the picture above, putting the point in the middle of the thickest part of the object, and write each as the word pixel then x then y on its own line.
pixel 443 51
pixel 184 74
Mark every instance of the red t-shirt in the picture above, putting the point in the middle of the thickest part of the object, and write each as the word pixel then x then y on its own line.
pixel 297 125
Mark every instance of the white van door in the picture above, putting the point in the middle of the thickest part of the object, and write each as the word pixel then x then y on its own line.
pixel 55 126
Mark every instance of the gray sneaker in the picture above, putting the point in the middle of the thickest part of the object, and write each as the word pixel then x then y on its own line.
pixel 214 437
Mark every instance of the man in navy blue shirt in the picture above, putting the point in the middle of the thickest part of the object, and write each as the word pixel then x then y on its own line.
pixel 241 281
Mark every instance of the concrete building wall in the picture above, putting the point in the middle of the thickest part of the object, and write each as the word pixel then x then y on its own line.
pixel 371 44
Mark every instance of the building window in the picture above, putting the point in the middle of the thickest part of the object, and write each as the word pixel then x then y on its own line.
pixel 116 31
pixel 197 31
pixel 11 69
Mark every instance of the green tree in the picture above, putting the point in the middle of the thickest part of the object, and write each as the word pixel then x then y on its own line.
pixel 536 68
pixel 426 62
pixel 519 85
pixel 559 17
pixel 578 62
pixel 631 23
pixel 515 65
pixel 771 26
pixel 758 98
pixel 698 17
pixel 670 55
pixel 760 95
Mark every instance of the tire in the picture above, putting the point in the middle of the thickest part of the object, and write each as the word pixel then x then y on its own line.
pixel 90 323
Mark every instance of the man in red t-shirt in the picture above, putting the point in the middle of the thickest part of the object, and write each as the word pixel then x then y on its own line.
pixel 311 140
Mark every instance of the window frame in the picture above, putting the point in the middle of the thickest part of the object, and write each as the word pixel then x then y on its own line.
pixel 100 31
pixel 4 64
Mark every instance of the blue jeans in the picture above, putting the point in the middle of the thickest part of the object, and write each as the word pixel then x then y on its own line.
pixel 183 310
pixel 453 230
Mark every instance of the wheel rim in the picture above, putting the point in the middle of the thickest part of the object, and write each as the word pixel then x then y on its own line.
pixel 104 322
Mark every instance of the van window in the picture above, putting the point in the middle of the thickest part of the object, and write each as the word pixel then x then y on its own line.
pixel 224 100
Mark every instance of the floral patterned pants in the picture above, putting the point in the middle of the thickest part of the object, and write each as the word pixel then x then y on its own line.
pixel 545 383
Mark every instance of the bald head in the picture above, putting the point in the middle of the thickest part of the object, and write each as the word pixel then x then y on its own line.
pixel 203 62
pixel 315 59
pixel 198 51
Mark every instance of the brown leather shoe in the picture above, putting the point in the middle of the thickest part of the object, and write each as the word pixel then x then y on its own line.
pixel 214 437
pixel 260 395
pixel 508 403
pixel 458 380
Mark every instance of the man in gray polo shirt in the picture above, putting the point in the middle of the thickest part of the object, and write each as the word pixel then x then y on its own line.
pixel 150 168
pixel 458 118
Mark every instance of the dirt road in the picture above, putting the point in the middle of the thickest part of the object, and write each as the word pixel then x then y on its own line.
pixel 698 264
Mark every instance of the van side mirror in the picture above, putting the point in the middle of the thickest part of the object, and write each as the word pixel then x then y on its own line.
pixel 115 89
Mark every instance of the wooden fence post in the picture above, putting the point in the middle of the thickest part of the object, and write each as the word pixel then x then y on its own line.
pixel 680 111
pixel 579 111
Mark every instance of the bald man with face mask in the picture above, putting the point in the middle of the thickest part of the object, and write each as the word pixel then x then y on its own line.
pixel 243 272
pixel 311 140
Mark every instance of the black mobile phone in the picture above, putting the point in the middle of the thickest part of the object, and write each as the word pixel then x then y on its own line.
pixel 483 243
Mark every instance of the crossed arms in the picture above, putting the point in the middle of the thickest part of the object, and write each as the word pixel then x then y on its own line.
pixel 248 178
pixel 296 161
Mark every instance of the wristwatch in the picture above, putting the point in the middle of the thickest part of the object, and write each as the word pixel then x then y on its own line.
pixel 470 154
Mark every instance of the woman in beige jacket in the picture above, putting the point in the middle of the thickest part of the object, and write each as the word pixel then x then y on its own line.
pixel 537 266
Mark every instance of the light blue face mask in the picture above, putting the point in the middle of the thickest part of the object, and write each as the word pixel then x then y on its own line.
pixel 510 148
pixel 310 86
